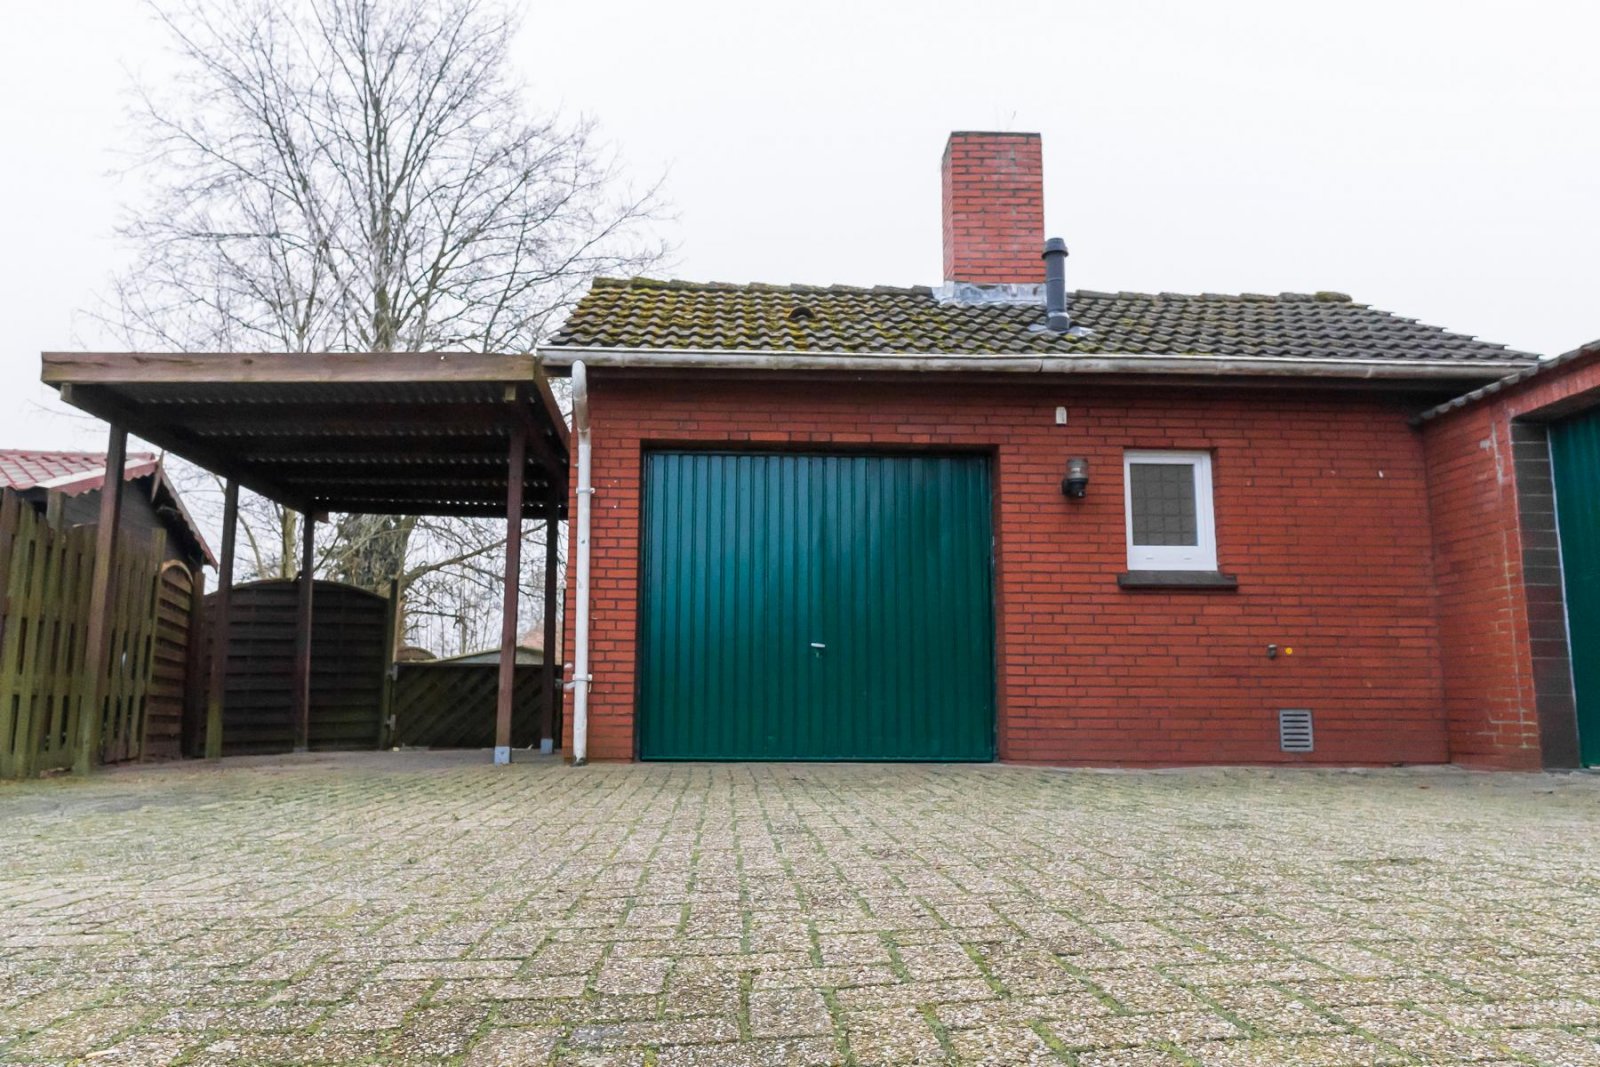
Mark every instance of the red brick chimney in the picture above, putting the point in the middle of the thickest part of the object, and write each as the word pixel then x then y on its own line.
pixel 993 208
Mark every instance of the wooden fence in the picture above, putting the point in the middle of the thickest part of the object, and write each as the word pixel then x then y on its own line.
pixel 45 573
pixel 452 705
pixel 350 641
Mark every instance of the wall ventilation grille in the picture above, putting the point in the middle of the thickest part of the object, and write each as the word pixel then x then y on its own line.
pixel 1294 730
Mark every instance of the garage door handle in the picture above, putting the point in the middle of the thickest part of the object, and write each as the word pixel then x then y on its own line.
pixel 818 644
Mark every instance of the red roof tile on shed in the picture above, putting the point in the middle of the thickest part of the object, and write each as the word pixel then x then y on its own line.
pixel 70 472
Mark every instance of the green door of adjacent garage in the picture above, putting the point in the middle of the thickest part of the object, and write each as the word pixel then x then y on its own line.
pixel 1575 463
pixel 816 607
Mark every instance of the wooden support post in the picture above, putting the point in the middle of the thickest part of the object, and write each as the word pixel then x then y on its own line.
pixel 194 680
pixel 97 661
pixel 302 636
pixel 547 671
pixel 219 622
pixel 391 643
pixel 516 473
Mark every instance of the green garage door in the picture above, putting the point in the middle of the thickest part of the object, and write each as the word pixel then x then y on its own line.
pixel 1575 461
pixel 816 607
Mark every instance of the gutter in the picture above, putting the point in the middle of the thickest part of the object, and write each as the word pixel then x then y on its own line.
pixel 558 357
pixel 581 678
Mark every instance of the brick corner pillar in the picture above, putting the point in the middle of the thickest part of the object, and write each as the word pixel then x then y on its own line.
pixel 993 185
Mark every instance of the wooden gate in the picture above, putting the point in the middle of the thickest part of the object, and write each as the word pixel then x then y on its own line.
pixel 349 659
pixel 45 574
pixel 170 692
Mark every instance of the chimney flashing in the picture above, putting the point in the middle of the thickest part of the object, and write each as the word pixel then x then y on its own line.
pixel 1009 295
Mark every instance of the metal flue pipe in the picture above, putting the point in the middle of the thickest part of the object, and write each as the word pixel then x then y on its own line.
pixel 1055 285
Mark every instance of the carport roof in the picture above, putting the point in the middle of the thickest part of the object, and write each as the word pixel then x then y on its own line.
pixel 374 433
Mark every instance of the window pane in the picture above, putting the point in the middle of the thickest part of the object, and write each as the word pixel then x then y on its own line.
pixel 1163 504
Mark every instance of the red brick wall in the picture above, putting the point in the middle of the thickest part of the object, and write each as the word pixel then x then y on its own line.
pixel 1485 611
pixel 1322 513
pixel 993 208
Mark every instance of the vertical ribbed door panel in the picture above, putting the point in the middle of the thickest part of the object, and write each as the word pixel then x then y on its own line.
pixel 1575 464
pixel 816 607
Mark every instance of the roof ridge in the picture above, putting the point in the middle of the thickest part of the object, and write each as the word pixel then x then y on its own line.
pixel 642 282
pixel 74 453
pixel 1320 296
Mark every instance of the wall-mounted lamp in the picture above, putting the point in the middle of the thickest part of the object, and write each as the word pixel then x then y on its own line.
pixel 1077 480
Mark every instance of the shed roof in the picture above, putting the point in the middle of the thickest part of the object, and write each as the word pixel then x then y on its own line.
pixel 32 471
pixel 67 472
pixel 373 433
pixel 646 314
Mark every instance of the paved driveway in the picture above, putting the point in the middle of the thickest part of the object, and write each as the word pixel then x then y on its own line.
pixel 429 908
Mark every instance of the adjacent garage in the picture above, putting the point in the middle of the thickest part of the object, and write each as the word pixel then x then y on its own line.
pixel 816 607
pixel 1575 467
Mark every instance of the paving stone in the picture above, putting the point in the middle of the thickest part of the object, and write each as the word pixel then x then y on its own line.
pixel 1553 1047
pixel 1010 1043
pixel 789 1013
pixel 78 1035
pixel 1139 1057
pixel 397 908
pixel 514 1047
pixel 431 1033
pixel 896 1035
pixel 801 1052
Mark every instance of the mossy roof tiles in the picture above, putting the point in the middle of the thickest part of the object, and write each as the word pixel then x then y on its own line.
pixel 645 314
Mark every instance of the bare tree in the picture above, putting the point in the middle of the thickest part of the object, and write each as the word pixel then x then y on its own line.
pixel 363 175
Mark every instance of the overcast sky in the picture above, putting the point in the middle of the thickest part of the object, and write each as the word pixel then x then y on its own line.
pixel 1440 160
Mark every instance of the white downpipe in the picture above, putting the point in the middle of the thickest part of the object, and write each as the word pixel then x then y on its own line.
pixel 580 656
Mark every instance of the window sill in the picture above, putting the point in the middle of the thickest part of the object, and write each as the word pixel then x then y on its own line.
pixel 1196 580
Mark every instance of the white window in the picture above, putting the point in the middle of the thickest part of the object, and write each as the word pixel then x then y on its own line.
pixel 1168 500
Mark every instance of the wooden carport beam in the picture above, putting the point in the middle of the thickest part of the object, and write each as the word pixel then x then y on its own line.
pixel 551 463
pixel 302 636
pixel 366 368
pixel 98 666
pixel 515 473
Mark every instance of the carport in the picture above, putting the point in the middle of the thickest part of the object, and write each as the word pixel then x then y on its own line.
pixel 410 433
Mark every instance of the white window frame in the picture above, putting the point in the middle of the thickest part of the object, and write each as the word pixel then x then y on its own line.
pixel 1201 557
